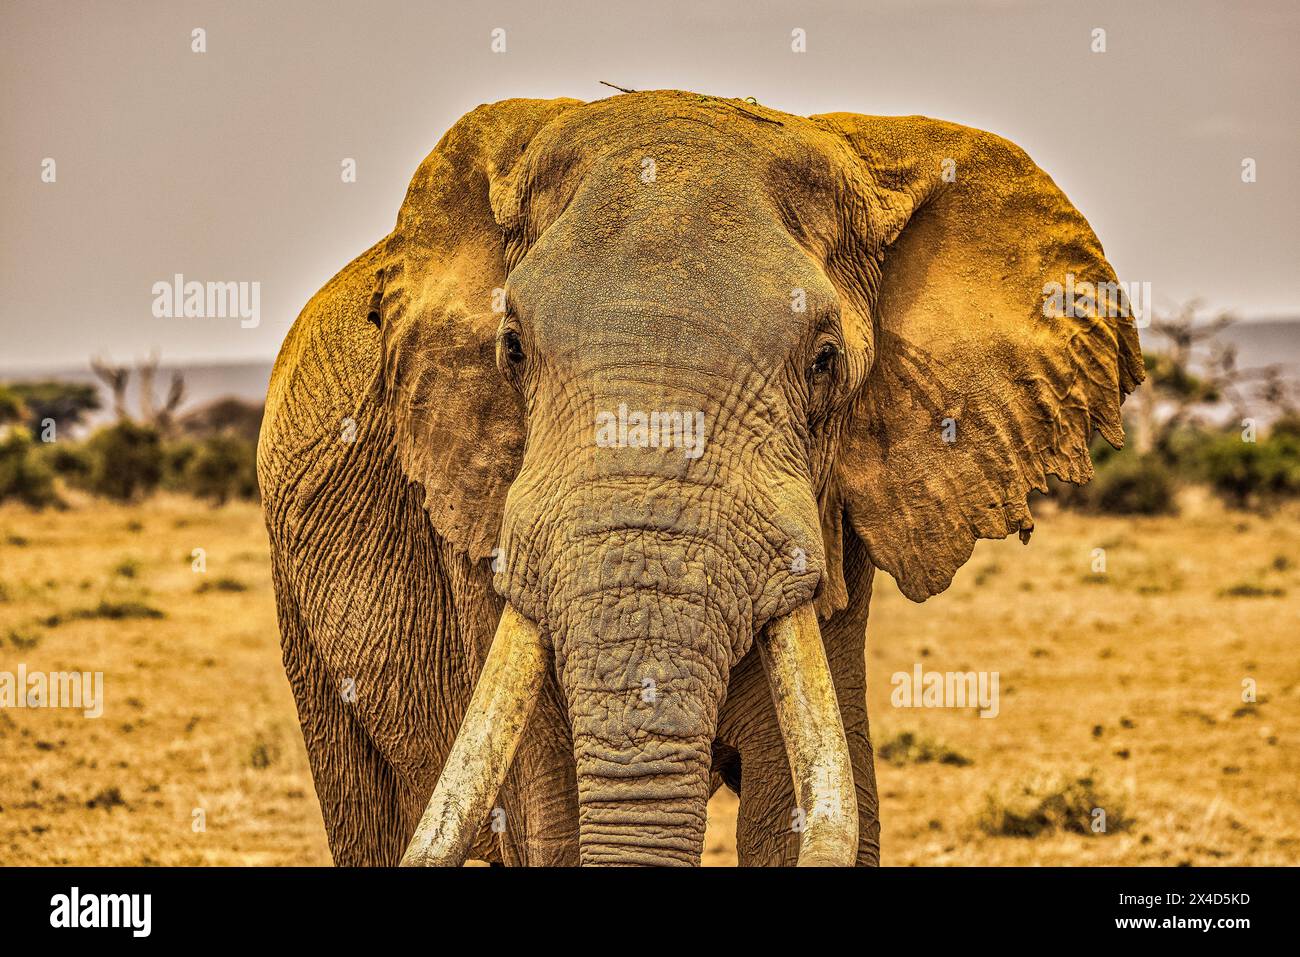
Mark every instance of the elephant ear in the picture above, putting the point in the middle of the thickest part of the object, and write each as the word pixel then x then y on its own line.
pixel 985 379
pixel 459 426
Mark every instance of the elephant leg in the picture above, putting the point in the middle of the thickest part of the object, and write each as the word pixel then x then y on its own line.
pixel 360 796
pixel 845 636
pixel 765 836
pixel 765 826
pixel 848 668
pixel 540 796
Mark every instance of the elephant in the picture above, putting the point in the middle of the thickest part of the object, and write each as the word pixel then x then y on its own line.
pixel 576 483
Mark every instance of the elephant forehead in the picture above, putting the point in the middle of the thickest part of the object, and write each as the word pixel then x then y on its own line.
pixel 644 147
pixel 693 243
pixel 684 261
pixel 698 122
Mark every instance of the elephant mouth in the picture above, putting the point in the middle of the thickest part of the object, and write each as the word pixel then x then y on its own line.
pixel 807 711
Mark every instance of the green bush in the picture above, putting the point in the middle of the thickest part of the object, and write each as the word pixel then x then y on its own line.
pixel 1125 484
pixel 224 416
pixel 1181 449
pixel 223 467
pixel 126 461
pixel 1101 451
pixel 908 747
pixel 68 460
pixel 11 406
pixel 65 402
pixel 1134 485
pixel 177 457
pixel 1288 426
pixel 1043 805
pixel 24 473
pixel 1253 473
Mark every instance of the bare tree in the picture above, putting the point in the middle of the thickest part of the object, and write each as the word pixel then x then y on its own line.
pixel 162 417
pixel 1196 371
pixel 1276 391
pixel 116 378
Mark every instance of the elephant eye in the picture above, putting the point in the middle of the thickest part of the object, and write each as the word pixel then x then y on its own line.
pixel 514 348
pixel 825 360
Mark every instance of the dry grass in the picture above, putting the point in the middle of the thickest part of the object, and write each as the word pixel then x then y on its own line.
pixel 1119 689
pixel 197 715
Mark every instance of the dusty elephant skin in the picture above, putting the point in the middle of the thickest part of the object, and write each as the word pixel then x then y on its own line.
pixel 844 352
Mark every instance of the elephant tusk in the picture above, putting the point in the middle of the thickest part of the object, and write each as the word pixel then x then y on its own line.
pixel 809 715
pixel 485 745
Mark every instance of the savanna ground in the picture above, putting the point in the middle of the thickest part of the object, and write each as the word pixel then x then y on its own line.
pixel 1120 689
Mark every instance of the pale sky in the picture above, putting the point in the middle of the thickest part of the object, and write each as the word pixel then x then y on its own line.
pixel 225 165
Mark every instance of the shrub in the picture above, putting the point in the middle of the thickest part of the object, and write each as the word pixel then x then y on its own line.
pixel 105 610
pixel 177 457
pixel 1036 807
pixel 1288 426
pixel 263 754
pixel 1125 484
pixel 1253 473
pixel 119 610
pixel 24 473
pixel 225 416
pixel 908 747
pixel 127 568
pixel 68 460
pixel 24 641
pixel 221 584
pixel 107 799
pixel 1248 589
pixel 65 402
pixel 11 406
pixel 1181 449
pixel 1101 451
pixel 223 467
pixel 1134 485
pixel 126 461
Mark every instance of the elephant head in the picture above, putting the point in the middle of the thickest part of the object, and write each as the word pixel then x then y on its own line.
pixel 654 356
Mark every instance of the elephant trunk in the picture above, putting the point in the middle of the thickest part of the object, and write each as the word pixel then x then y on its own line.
pixel 642 805
pixel 644 673
pixel 643 747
